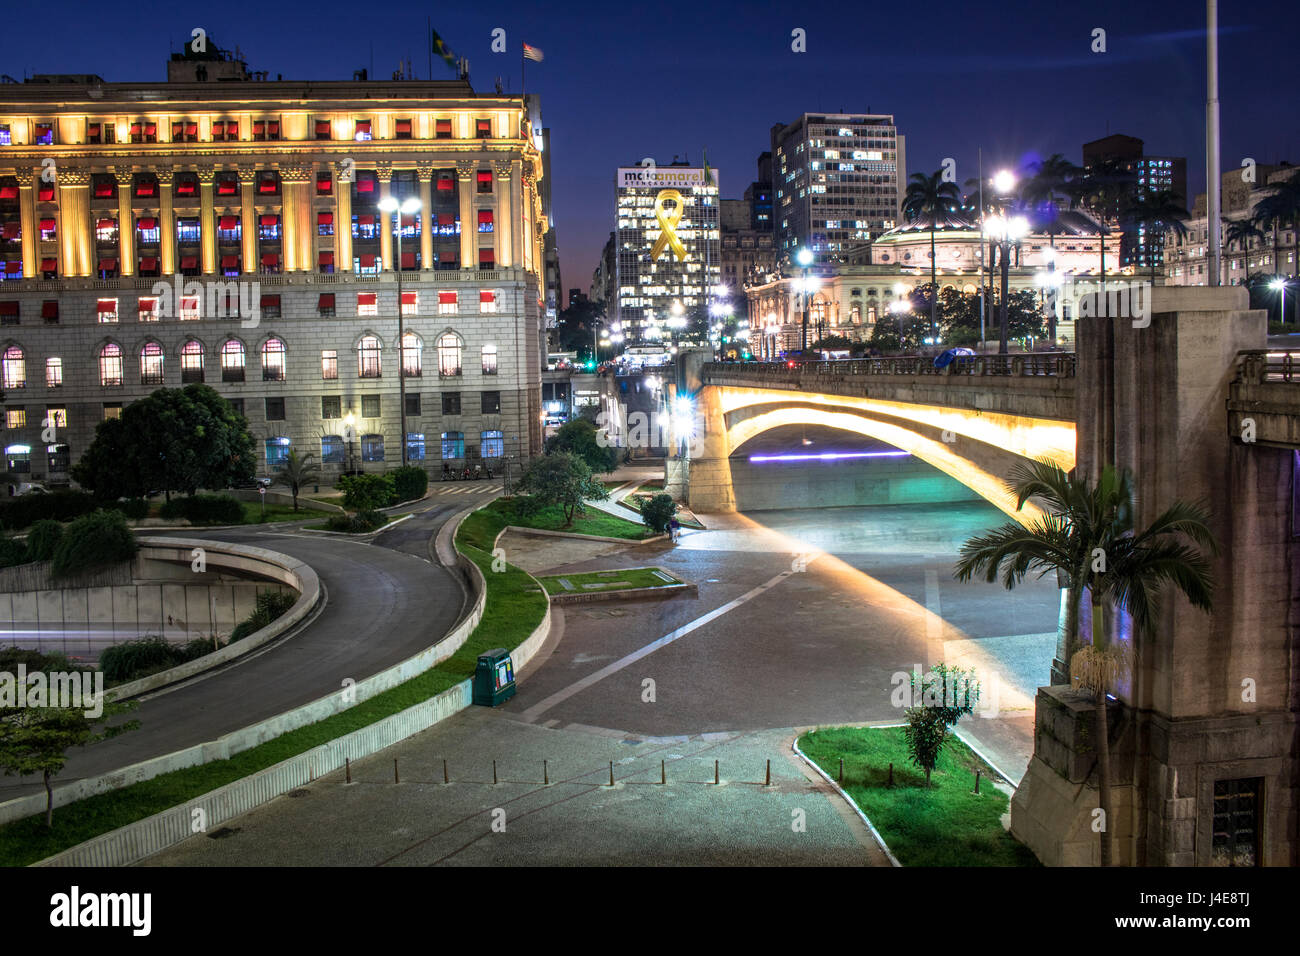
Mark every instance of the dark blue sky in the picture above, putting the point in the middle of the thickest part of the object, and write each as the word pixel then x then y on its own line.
pixel 622 81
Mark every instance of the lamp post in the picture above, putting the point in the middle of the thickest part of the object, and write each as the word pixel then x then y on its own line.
pixel 349 429
pixel 804 257
pixel 408 207
pixel 1006 231
pixel 1004 183
pixel 1280 285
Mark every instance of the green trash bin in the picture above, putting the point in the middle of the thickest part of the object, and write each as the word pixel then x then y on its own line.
pixel 494 678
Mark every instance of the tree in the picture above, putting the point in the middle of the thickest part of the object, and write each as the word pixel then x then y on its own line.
pixel 931 201
pixel 1242 233
pixel 1048 187
pixel 1106 186
pixel 947 694
pixel 831 343
pixel 36 739
pixel 560 479
pixel 1087 537
pixel 297 472
pixel 581 437
pixel 657 511
pixel 1157 213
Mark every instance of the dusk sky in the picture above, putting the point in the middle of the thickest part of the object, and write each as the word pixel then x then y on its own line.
pixel 624 81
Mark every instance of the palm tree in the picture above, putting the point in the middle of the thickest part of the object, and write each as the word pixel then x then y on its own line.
pixel 1158 213
pixel 1282 205
pixel 1241 233
pixel 1044 191
pixel 297 472
pixel 931 200
pixel 1088 538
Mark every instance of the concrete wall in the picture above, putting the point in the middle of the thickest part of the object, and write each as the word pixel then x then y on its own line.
pixel 764 486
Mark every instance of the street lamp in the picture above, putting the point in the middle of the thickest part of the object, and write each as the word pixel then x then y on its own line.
pixel 1006 231
pixel 1280 285
pixel 805 258
pixel 408 207
pixel 349 429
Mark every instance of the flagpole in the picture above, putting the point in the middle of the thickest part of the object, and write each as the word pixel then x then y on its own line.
pixel 428 35
pixel 523 58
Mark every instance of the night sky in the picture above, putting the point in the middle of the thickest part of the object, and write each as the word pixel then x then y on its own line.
pixel 622 81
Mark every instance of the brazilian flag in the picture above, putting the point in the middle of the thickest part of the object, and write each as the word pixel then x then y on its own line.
pixel 439 47
pixel 708 173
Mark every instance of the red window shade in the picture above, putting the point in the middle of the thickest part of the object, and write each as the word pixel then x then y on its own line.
pixel 191 129
pixel 270 301
pixel 367 262
pixel 270 220
pixel 444 126
pixel 326 300
pixel 446 219
pixel 365 184
pixel 151 129
pixel 487 296
pixel 259 128
pixel 271 259
pixel 13 268
pixel 107 224
pixel 327 259
pixel 49 265
pixel 11 230
pixel 146 223
pixel 8 192
pixel 409 298
pixel 273 129
pixel 365 220
pixel 218 129
pixel 408 262
pixel 230 262
pixel 485 176
pixel 45 193
pixel 486 257
pixel 146 188
pixel 107 265
pixel 403 126
pixel 106 305
pixel 483 126
pixel 148 263
pixel 135 129
pixel 363 126
pixel 446 298
pixel 366 298
pixel 50 309
pixel 103 190
pixel 408 220
pixel 185 187
pixel 227 187
pixel 8 308
pixel 189 262
pixel 324 218
pixel 267 185
pixel 178 130
pixel 92 130
pixel 446 182
pixel 47 224
pixel 229 222
pixel 324 184
pixel 485 216
pixel 322 127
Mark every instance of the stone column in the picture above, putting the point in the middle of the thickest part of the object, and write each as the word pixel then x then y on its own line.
pixel 303 234
pixel 507 214
pixel 247 217
pixel 468 227
pixel 166 220
pixel 207 222
pixel 385 174
pixel 125 224
pixel 427 222
pixel 76 240
pixel 342 225
pixel 708 472
pixel 27 218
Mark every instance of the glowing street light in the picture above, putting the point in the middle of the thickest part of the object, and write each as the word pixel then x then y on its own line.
pixel 1280 285
pixel 1004 181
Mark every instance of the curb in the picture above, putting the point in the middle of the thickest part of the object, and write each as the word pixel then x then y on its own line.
pixel 539 533
pixel 851 802
pixel 666 591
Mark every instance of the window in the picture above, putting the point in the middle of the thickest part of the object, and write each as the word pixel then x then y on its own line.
pixel 484 179
pixel 49 230
pixel 277 453
pixel 412 355
pixel 446 303
pixel 229 228
pixel 237 404
pixel 16 417
pixel 413 405
pixel 9 313
pixel 331 449
pixel 490 403
pixel 273 360
pixel 19 459
pixel 368 357
pixel 366 304
pixel 56 416
pixel 184 131
pixel 415 446
pixel 370 406
pixel 331 407
pixel 325 262
pixel 232 361
pixel 275 409
pixel 187 185
pixel 268 183
pixel 227 184
pixel 225 131
pixel 59 456
pixel 1236 822
pixel 5 136
pixel 268 226
pixel 189 310
pixel 368 264
pixel 453 445
pixel 106 310
pixel 449 350
pixel 410 302
pixel 487 259
pixel 489 354
pixel 451 403
pixel 329 364
pixel 44 134
pixel 442 129
pixel 446 181
pixel 151 364
pixel 264 130
pixel 270 306
pixel 325 223
pixel 191 362
pixel 372 447
pixel 363 131
pixel 363 227
pixel 485 220
pixel 54 373
pixel 324 184
pixel 402 129
pixel 491 444
pixel 110 364
pixel 483 129
pixel 112 410
pixel 106 230
pixel 144 186
pixel 323 129
pixel 188 232
pixel 150 234
pixel 487 302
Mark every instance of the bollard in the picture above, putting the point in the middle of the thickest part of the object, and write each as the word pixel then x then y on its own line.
pixel 977 782
pixel 494 773
pixel 841 770
pixel 891 773
pixel 396 779
pixel 768 781
pixel 347 768
pixel 445 778
pixel 715 773
pixel 663 773
pixel 611 773
pixel 546 775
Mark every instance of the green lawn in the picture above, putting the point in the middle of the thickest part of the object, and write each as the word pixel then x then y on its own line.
pixel 484 525
pixel 946 825
pixel 515 606
pixel 253 512
pixel 606 580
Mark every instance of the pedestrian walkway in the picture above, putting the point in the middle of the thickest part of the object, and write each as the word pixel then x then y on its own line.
pixel 466 488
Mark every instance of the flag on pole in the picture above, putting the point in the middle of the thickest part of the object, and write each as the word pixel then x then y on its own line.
pixel 439 47
pixel 532 53
pixel 708 173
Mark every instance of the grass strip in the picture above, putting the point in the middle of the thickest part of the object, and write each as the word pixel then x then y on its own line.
pixel 617 580
pixel 513 610
pixel 484 525
pixel 944 825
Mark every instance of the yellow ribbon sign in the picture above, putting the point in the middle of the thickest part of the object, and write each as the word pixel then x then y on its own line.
pixel 668 220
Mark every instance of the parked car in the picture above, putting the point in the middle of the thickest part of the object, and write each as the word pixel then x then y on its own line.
pixel 256 482
pixel 26 488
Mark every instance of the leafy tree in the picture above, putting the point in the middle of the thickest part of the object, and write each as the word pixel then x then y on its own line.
pixel 562 479
pixel 947 694
pixel 831 343
pixel 581 437
pixel 93 541
pixel 298 471
pixel 931 201
pixel 657 512
pixel 367 492
pixel 576 326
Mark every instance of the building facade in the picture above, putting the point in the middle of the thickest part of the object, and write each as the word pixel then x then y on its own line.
pixel 748 253
pixel 228 233
pixel 668 247
pixel 838 180
pixel 1141 248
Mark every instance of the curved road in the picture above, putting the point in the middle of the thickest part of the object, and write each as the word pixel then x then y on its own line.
pixel 385 602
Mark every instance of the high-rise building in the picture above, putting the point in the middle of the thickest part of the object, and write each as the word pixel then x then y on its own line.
pixel 160 234
pixel 668 256
pixel 759 195
pixel 603 278
pixel 748 254
pixel 838 179
pixel 1141 247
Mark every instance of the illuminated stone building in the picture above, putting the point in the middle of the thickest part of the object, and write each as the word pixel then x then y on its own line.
pixel 229 233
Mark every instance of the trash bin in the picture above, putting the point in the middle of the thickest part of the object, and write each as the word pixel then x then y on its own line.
pixel 494 678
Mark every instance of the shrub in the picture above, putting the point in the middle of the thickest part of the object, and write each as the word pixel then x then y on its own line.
pixel 12 552
pixel 133 508
pixel 367 492
pixel 270 605
pixel 658 511
pixel 204 509
pixel 24 510
pixel 93 541
pixel 363 522
pixel 43 539
pixel 33 660
pixel 132 659
pixel 409 482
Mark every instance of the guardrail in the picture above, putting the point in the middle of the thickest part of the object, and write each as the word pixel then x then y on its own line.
pixel 1257 366
pixel 1028 365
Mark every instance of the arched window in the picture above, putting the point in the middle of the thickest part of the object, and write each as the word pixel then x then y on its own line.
pixel 331 449
pixel 15 368
pixel 368 357
pixel 412 355
pixel 273 361
pixel 110 364
pixel 372 447
pixel 449 353
pixel 191 362
pixel 151 364
pixel 232 361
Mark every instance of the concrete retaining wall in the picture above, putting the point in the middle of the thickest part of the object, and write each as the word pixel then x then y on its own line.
pixel 764 486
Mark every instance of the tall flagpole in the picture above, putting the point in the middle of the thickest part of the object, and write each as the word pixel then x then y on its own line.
pixel 982 250
pixel 1214 181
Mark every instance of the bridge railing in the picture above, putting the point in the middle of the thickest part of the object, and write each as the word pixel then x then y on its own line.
pixel 1046 364
pixel 1257 366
